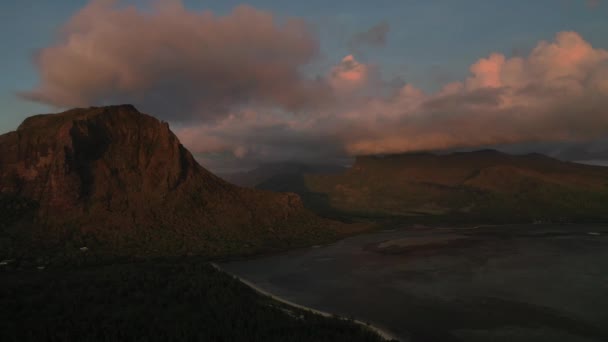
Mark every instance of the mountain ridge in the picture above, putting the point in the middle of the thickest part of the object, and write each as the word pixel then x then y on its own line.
pixel 478 186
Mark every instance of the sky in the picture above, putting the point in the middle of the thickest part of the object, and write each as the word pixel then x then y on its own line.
pixel 319 81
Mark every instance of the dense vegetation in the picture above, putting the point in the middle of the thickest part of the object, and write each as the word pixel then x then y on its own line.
pixel 68 288
pixel 163 300
pixel 14 209
pixel 15 213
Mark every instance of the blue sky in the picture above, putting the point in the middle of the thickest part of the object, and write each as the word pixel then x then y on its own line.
pixel 429 43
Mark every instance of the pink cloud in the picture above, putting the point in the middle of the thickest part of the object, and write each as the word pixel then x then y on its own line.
pixel 349 75
pixel 350 70
pixel 487 72
pixel 236 81
pixel 557 93
pixel 171 58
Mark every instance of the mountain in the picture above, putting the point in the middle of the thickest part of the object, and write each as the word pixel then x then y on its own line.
pixel 480 186
pixel 270 173
pixel 119 182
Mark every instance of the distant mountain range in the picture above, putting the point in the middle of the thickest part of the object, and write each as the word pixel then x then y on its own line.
pixel 480 186
pixel 119 182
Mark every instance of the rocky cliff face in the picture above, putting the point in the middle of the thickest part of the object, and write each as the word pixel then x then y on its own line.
pixel 109 157
pixel 116 177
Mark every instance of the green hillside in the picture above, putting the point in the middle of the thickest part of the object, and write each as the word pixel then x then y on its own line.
pixel 483 186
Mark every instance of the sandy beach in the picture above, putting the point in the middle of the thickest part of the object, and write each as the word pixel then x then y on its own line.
pixel 384 334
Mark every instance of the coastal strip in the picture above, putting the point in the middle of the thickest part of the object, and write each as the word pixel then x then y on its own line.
pixel 384 334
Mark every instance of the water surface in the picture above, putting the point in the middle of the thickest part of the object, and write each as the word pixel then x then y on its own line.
pixel 507 283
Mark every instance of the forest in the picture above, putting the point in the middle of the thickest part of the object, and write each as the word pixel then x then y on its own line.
pixel 182 299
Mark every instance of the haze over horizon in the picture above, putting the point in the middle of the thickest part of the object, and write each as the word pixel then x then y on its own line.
pixel 270 81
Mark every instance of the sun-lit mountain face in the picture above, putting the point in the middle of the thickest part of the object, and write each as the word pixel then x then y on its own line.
pixel 120 180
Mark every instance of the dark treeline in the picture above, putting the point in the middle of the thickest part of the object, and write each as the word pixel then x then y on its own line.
pixel 186 300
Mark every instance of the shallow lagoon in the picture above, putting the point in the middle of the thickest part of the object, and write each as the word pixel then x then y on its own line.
pixel 499 283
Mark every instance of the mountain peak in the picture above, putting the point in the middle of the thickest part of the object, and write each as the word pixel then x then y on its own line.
pixel 69 160
pixel 114 169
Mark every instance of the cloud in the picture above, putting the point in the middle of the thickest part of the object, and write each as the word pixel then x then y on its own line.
pixel 375 36
pixel 349 74
pixel 248 137
pixel 180 62
pixel 233 87
pixel 557 93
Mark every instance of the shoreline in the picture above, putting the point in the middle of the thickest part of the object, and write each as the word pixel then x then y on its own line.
pixel 382 333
